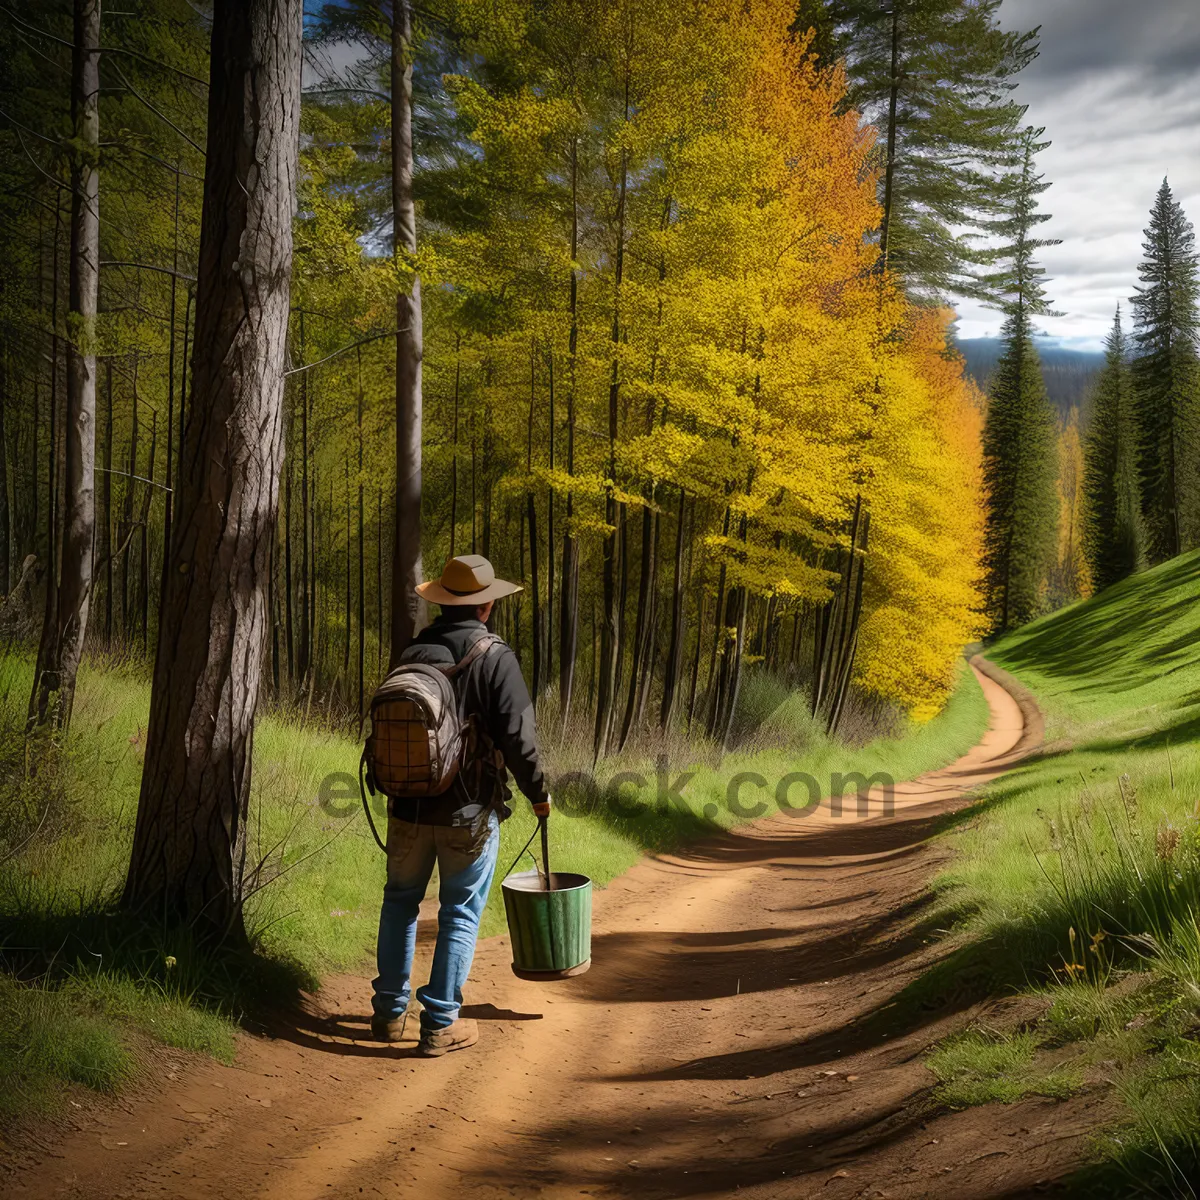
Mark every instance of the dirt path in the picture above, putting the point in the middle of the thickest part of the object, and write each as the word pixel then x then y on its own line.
pixel 728 1038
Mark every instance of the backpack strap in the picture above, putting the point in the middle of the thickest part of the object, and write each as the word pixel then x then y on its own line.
pixel 479 647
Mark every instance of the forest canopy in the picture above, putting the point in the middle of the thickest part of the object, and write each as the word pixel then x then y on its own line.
pixel 668 381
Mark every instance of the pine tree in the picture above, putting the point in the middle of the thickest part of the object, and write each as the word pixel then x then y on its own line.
pixel 1019 452
pixel 1166 379
pixel 189 841
pixel 1114 535
pixel 935 77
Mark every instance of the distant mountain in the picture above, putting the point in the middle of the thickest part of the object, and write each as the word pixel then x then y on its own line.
pixel 1069 374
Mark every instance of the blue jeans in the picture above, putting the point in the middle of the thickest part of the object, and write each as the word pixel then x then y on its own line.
pixel 466 860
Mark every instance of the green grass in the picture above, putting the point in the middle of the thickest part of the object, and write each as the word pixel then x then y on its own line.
pixel 316 870
pixel 1079 873
pixel 981 1067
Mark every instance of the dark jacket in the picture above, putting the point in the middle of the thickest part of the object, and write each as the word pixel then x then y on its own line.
pixel 494 692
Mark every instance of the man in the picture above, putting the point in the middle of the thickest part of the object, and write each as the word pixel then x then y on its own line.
pixel 459 830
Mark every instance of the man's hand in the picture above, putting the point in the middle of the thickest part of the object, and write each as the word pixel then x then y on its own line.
pixel 542 810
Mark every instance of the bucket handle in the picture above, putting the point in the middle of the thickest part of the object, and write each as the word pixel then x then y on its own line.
pixel 539 828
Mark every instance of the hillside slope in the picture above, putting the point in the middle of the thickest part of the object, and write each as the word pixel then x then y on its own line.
pixel 1079 879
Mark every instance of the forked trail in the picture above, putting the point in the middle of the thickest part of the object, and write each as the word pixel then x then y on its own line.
pixel 732 1035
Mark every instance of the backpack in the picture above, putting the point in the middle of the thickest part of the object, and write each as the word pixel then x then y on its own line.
pixel 420 737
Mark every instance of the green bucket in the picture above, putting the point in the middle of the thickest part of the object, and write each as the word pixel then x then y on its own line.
pixel 551 931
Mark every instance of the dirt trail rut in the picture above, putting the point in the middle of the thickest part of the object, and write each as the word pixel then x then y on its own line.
pixel 732 1035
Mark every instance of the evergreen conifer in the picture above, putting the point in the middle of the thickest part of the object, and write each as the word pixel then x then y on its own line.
pixel 1166 380
pixel 935 77
pixel 1019 451
pixel 1114 540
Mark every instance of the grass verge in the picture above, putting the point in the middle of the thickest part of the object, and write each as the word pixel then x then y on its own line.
pixel 1079 876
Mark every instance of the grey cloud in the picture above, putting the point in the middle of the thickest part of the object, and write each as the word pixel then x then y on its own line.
pixel 1085 36
pixel 1117 87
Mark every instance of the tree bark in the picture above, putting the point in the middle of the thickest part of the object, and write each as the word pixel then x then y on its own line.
pixel 675 646
pixel 144 539
pixel 691 712
pixel 127 515
pixel 290 647
pixel 734 686
pixel 846 663
pixel 531 509
pixel 641 624
pixel 5 522
pixel 304 657
pixel 106 494
pixel 408 612
pixel 362 569
pixel 168 500
pixel 65 625
pixel 568 638
pixel 379 581
pixel 454 457
pixel 614 512
pixel 349 589
pixel 650 651
pixel 885 226
pixel 189 843
pixel 549 622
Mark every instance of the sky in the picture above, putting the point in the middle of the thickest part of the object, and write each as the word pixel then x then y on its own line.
pixel 1117 87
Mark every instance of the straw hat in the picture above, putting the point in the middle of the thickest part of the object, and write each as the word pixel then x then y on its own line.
pixel 467 579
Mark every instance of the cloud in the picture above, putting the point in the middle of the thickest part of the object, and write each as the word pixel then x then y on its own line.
pixel 1115 87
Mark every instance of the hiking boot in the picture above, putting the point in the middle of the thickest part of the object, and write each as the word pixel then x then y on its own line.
pixel 434 1042
pixel 388 1029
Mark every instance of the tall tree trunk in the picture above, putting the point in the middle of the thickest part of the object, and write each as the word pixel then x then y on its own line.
pixel 288 626
pixel 314 644
pixel 454 458
pixel 724 636
pixel 362 570
pixel 35 541
pixel 65 625
pixel 106 503
pixel 846 663
pixel 190 840
pixel 717 616
pixel 127 514
pixel 5 520
pixel 641 624
pixel 885 226
pixel 304 658
pixel 568 635
pixel 183 384
pixel 614 512
pixel 650 649
pixel 169 499
pixel 549 622
pixel 519 605
pixel 273 612
pixel 839 643
pixel 489 457
pixel 691 711
pixel 675 645
pixel 349 596
pixel 531 508
pixel 144 540
pixel 379 581
pixel 734 688
pixel 53 460
pixel 407 609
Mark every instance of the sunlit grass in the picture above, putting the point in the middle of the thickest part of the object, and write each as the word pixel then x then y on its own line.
pixel 1079 873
